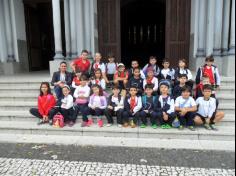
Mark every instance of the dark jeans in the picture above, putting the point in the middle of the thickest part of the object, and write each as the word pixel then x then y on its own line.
pixel 35 113
pixel 96 112
pixel 110 77
pixel 188 119
pixel 84 109
pixel 171 118
pixel 110 113
pixel 58 92
pixel 68 114
pixel 127 115
pixel 153 117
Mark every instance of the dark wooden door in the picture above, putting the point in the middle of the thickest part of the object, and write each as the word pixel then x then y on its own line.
pixel 178 14
pixel 109 28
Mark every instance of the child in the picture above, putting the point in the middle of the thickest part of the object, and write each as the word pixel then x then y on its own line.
pixel 186 107
pixel 211 71
pixel 132 106
pixel 153 64
pixel 98 79
pixel 177 91
pixel 46 102
pixel 81 94
pixel 199 88
pixel 66 108
pixel 207 113
pixel 182 69
pixel 165 107
pixel 97 104
pixel 135 65
pixel 151 79
pixel 115 107
pixel 121 77
pixel 137 81
pixel 98 64
pixel 111 68
pixel 148 101
pixel 166 73
pixel 76 80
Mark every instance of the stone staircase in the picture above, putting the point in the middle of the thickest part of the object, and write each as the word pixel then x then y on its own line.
pixel 18 94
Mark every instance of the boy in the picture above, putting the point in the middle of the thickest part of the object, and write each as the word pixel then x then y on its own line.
pixel 115 107
pixel 151 79
pixel 111 68
pixel 137 81
pixel 166 73
pixel 210 71
pixel 165 107
pixel 199 88
pixel 135 65
pixel 177 91
pixel 186 107
pixel 121 77
pixel 132 106
pixel 148 101
pixel 207 113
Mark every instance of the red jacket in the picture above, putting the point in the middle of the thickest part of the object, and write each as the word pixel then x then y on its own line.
pixel 45 104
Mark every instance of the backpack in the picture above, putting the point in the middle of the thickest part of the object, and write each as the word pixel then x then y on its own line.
pixel 58 121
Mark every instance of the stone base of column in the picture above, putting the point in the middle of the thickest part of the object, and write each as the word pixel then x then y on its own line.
pixel 54 66
pixel 217 52
pixel 59 56
pixel 11 68
pixel 232 50
pixel 228 66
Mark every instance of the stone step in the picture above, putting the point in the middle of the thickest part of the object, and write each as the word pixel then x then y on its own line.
pixel 229 119
pixel 11 127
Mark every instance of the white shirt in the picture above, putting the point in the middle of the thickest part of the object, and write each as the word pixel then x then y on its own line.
pixel 185 103
pixel 119 104
pixel 186 72
pixel 63 77
pixel 111 68
pixel 154 81
pixel 67 102
pixel 206 108
pixel 101 66
pixel 166 72
pixel 101 83
pixel 82 91
pixel 170 102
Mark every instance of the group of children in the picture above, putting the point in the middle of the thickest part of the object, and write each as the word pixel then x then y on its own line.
pixel 166 95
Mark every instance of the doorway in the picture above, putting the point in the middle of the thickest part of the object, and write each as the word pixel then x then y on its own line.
pixel 142 30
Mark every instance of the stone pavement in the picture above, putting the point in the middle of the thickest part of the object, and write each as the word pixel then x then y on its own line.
pixel 27 167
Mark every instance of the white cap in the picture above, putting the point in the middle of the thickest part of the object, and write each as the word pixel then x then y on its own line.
pixel 121 65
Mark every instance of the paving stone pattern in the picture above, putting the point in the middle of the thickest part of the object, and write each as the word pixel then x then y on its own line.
pixel 26 167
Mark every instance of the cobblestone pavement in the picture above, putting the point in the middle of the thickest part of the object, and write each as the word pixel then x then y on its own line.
pixel 27 167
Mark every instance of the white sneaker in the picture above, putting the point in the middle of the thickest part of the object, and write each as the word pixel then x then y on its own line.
pixel 109 125
pixel 120 126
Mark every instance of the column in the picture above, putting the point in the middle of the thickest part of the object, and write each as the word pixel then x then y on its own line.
pixel 87 21
pixel 225 33
pixel 9 37
pixel 73 22
pixel 218 27
pixel 210 27
pixel 201 51
pixel 232 32
pixel 80 26
pixel 92 26
pixel 57 29
pixel 67 28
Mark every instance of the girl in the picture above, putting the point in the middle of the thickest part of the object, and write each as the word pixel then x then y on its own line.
pixel 66 108
pixel 137 81
pixel 82 95
pixel 98 64
pixel 153 64
pixel 46 102
pixel 121 77
pixel 183 69
pixel 111 68
pixel 97 104
pixel 98 79
pixel 151 79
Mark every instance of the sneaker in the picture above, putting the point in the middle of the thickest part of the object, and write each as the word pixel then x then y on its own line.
pixel 41 122
pixel 126 125
pixel 192 128
pixel 120 126
pixel 90 122
pixel 132 124
pixel 109 125
pixel 50 122
pixel 84 124
pixel 100 123
pixel 168 126
pixel 181 127
pixel 71 124
pixel 207 127
pixel 154 126
pixel 143 126
pixel 213 127
pixel 163 126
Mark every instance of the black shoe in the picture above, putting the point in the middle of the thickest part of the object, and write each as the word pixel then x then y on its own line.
pixel 41 122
